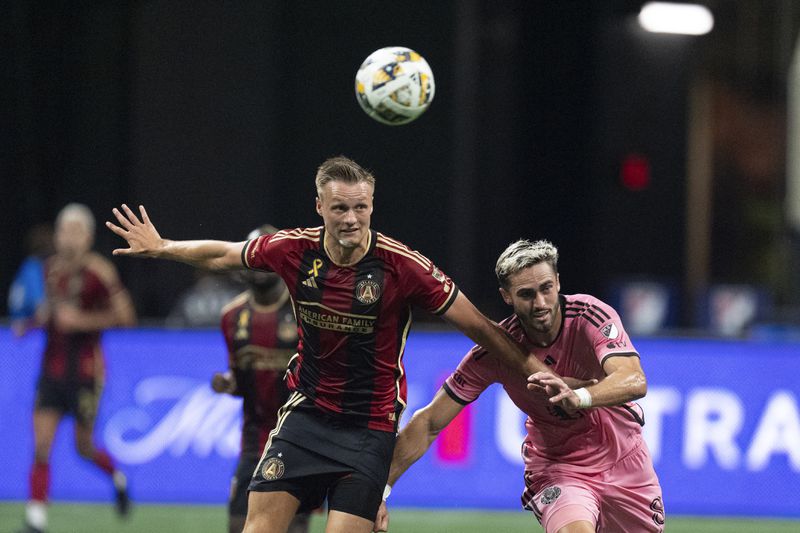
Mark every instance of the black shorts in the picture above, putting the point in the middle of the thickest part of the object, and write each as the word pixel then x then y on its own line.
pixel 79 399
pixel 314 456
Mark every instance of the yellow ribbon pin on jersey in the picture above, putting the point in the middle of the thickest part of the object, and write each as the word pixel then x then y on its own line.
pixel 315 266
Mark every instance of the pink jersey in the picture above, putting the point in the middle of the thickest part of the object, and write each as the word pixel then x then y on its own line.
pixel 590 440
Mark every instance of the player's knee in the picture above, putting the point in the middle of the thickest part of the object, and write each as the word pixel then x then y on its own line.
pixel 41 454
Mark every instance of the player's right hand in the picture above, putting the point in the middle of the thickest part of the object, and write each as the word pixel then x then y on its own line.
pixel 222 382
pixel 381 519
pixel 141 235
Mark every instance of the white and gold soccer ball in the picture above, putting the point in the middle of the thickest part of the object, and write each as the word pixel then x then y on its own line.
pixel 394 85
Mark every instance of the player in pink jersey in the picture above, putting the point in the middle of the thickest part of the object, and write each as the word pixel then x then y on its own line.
pixel 352 290
pixel 587 467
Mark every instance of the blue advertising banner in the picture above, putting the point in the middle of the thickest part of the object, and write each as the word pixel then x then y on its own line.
pixel 722 424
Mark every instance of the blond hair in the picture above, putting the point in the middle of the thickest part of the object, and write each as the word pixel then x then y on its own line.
pixel 341 168
pixel 523 254
pixel 79 212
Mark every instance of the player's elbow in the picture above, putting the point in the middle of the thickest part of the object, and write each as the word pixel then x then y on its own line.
pixel 637 385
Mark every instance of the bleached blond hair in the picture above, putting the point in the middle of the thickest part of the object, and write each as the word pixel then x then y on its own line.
pixel 523 254
pixel 79 212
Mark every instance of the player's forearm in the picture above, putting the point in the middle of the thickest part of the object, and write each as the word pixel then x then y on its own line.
pixel 412 443
pixel 205 254
pixel 618 388
pixel 500 344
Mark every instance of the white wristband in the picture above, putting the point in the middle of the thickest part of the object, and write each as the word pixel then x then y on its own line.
pixel 584 396
pixel 387 491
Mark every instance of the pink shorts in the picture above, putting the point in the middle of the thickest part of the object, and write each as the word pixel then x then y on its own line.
pixel 626 498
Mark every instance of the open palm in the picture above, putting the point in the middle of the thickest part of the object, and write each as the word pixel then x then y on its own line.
pixel 141 235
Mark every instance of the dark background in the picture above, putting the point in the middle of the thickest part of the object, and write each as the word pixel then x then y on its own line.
pixel 214 115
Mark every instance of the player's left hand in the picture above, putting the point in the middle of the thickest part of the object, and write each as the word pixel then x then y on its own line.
pixel 381 519
pixel 558 391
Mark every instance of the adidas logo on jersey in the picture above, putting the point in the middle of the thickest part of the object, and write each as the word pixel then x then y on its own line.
pixel 311 282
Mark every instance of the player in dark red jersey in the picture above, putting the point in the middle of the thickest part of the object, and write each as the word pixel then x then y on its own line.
pixel 83 297
pixel 352 290
pixel 261 335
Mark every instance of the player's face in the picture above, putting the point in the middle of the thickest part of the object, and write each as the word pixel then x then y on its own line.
pixel 533 293
pixel 72 238
pixel 346 209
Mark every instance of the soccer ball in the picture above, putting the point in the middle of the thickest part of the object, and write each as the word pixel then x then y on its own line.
pixel 394 85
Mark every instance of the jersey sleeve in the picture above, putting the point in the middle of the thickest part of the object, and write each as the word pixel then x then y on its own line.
pixel 427 286
pixel 609 338
pixel 473 375
pixel 262 254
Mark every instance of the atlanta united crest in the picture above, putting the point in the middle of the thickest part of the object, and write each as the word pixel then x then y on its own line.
pixel 367 291
pixel 273 469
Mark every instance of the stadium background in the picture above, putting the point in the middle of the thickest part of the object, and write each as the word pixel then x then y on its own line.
pixel 214 116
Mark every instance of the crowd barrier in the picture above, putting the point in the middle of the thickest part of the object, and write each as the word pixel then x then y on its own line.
pixel 722 423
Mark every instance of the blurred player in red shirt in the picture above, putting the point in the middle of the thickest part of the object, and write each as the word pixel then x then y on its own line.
pixel 587 467
pixel 83 297
pixel 261 335
pixel 352 289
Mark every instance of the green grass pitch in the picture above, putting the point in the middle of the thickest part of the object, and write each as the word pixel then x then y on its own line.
pixel 93 518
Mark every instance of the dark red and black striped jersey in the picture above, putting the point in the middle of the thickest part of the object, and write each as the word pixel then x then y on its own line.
pixel 353 321
pixel 260 340
pixel 77 356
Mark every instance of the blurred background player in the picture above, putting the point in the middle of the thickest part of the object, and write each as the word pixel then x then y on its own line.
pixel 83 297
pixel 261 335
pixel 27 290
pixel 587 467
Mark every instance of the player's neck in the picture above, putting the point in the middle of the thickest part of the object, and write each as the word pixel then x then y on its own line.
pixel 71 263
pixel 344 256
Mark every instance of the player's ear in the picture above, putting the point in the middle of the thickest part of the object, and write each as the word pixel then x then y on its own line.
pixel 558 283
pixel 506 295
pixel 319 206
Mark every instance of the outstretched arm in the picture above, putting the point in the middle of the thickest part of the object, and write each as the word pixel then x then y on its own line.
pixel 624 382
pixel 415 439
pixel 144 241
pixel 491 336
